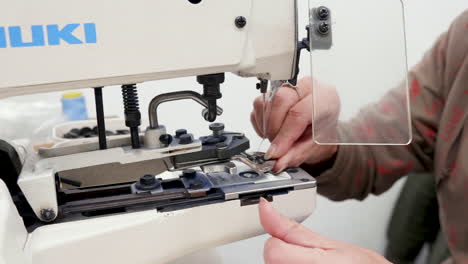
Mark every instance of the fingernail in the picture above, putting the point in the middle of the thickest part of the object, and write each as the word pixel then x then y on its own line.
pixel 264 202
pixel 271 152
pixel 279 169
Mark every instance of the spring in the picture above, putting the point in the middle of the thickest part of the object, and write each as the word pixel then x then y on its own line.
pixel 132 112
pixel 130 98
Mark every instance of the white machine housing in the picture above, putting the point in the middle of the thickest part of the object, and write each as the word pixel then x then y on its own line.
pixel 54 45
pixel 146 237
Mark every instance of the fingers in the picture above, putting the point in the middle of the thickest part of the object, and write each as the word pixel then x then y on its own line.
pixel 277 251
pixel 300 151
pixel 305 150
pixel 278 109
pixel 298 118
pixel 257 116
pixel 289 231
pixel 254 124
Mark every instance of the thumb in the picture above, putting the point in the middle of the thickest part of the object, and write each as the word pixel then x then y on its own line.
pixel 289 231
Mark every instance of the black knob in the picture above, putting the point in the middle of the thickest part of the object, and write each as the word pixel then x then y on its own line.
pixel 180 132
pixel 217 129
pixel 165 139
pixel 185 139
pixel 147 180
pixel 189 173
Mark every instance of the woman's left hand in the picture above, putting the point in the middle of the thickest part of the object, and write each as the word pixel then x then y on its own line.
pixel 292 243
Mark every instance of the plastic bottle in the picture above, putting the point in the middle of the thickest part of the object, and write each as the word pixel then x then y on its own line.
pixel 74 106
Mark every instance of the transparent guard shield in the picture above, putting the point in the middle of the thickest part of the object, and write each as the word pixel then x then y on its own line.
pixel 359 67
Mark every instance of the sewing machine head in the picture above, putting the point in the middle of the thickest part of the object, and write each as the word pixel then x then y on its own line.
pixel 181 176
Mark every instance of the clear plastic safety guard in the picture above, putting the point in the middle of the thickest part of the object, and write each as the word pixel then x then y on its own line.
pixel 359 71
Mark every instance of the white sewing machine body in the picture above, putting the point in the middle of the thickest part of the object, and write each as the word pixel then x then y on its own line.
pixel 201 194
pixel 58 45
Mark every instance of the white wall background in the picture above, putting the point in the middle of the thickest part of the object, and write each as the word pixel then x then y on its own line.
pixel 361 223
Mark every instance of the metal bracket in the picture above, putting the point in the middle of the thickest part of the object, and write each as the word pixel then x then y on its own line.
pixel 320 33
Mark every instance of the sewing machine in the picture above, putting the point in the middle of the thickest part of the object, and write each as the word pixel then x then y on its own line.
pixel 198 191
pixel 186 192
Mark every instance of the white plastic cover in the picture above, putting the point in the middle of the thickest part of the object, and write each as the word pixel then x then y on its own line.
pixel 363 57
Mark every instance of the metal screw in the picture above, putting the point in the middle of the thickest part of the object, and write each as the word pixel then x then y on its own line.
pixel 48 215
pixel 323 13
pixel 217 128
pixel 249 174
pixel 241 22
pixel 323 28
pixel 147 183
pixel 166 139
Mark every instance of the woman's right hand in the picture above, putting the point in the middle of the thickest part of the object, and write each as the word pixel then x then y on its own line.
pixel 290 124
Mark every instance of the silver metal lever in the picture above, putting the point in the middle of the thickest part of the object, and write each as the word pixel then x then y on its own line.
pixel 176 96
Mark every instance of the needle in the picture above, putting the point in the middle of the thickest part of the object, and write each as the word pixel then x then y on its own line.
pixel 275 85
pixel 264 125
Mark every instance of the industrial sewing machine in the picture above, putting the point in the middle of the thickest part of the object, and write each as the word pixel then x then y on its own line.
pixel 194 191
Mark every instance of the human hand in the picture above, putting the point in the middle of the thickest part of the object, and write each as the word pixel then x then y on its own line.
pixel 290 124
pixel 292 243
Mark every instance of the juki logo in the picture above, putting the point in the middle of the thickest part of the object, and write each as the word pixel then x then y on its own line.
pixel 51 35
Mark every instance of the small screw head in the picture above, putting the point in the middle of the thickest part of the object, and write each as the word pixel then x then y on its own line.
pixel 48 214
pixel 241 22
pixel 323 28
pixel 216 126
pixel 165 139
pixel 249 174
pixel 147 183
pixel 323 13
